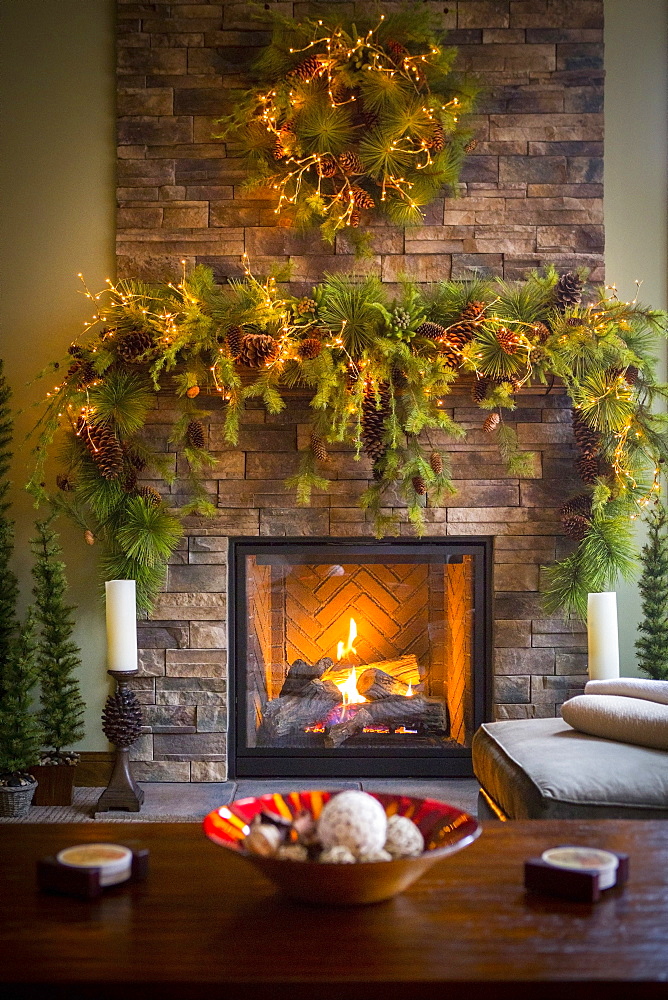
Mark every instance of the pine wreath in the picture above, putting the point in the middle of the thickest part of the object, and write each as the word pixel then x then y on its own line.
pixel 346 99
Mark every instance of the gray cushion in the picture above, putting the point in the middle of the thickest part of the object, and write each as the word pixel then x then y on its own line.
pixel 543 769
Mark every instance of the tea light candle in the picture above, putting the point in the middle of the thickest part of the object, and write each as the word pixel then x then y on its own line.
pixel 602 636
pixel 113 860
pixel 589 859
pixel 121 624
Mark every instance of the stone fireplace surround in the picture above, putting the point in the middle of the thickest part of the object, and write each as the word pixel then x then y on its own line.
pixel 538 661
pixel 531 194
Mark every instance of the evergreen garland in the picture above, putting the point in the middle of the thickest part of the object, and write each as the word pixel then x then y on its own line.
pixel 57 656
pixel 652 645
pixel 378 372
pixel 353 117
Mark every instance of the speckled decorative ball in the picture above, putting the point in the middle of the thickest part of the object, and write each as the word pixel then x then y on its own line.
pixel 381 855
pixel 292 852
pixel 354 820
pixel 337 855
pixel 404 839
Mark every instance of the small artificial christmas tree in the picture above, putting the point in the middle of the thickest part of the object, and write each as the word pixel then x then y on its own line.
pixel 652 646
pixel 57 657
pixel 20 731
pixel 8 581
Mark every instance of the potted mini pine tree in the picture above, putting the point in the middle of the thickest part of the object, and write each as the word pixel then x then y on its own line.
pixel 20 732
pixel 57 658
pixel 652 645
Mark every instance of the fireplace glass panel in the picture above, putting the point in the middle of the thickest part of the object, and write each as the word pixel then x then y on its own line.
pixel 373 652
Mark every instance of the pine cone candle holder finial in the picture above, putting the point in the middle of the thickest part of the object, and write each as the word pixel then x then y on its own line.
pixel 122 722
pixel 122 718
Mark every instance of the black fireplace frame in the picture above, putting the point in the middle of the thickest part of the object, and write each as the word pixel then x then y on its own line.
pixel 419 762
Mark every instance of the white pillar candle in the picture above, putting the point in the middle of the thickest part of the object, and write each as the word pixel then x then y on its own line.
pixel 121 624
pixel 602 635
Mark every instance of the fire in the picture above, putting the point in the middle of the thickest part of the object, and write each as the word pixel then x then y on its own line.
pixel 348 688
pixel 409 692
pixel 343 649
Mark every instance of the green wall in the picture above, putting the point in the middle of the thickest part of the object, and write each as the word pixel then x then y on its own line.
pixel 57 218
pixel 57 180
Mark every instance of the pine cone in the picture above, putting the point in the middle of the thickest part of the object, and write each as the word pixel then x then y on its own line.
pixel 631 375
pixel 432 331
pixel 355 218
pixel 466 327
pixel 89 537
pixel 542 332
pixel 419 485
pixel 366 119
pixel 103 447
pixel 491 423
pixel 150 495
pixel 306 70
pixel 397 51
pixel 133 345
pixel 279 151
pixel 75 351
pixel 257 349
pixel 580 504
pixel 122 718
pixel 374 415
pixel 588 469
pixel 130 481
pixel 326 166
pixel 576 526
pixel 436 462
pixel 65 483
pixel 575 321
pixel 318 448
pixel 587 438
pixel 350 163
pixel 480 389
pixel 84 372
pixel 195 434
pixel 568 291
pixel 362 198
pixel 309 348
pixel 470 146
pixel 136 461
pixel 437 139
pixel 234 338
pixel 508 341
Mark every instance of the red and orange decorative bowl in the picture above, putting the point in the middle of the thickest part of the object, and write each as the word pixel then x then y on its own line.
pixel 445 829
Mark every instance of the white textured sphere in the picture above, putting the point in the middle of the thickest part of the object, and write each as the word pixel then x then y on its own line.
pixel 376 856
pixel 337 855
pixel 404 839
pixel 354 820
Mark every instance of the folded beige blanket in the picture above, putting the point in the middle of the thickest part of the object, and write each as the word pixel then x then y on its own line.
pixel 631 687
pixel 615 717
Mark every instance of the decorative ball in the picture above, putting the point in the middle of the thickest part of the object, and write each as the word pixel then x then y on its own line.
pixel 292 852
pixel 381 855
pixel 404 839
pixel 263 839
pixel 354 820
pixel 337 855
pixel 192 391
pixel 89 537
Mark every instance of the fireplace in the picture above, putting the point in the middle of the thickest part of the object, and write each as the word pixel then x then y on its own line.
pixel 358 657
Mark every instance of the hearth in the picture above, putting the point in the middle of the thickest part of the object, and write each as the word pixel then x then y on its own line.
pixel 358 657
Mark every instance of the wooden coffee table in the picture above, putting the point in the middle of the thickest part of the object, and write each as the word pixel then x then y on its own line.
pixel 205 924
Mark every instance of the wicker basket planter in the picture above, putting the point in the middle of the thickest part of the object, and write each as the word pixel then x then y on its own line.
pixel 55 784
pixel 15 801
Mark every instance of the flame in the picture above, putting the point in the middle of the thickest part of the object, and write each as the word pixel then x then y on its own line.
pixel 348 688
pixel 409 692
pixel 343 649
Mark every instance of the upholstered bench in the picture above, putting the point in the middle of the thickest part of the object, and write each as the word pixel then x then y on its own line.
pixel 543 769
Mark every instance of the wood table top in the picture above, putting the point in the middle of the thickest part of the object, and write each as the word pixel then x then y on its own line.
pixel 205 923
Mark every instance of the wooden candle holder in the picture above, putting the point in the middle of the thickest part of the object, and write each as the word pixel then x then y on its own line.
pixel 65 880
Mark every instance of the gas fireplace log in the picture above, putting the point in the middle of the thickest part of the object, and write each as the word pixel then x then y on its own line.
pixel 302 673
pixel 404 668
pixel 291 714
pixel 375 683
pixel 342 731
pixel 409 712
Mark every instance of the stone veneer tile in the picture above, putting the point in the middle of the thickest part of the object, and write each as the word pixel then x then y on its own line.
pixel 208 770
